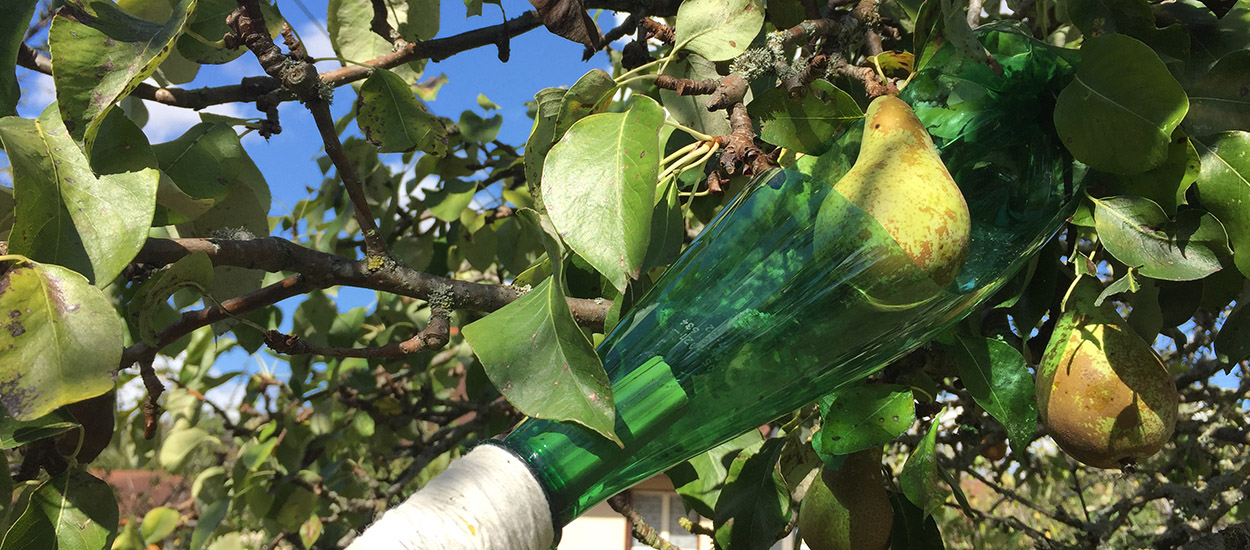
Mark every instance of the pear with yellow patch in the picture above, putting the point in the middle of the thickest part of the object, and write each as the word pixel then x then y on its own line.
pixel 1103 394
pixel 901 182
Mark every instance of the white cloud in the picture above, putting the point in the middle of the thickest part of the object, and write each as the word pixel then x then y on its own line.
pixel 166 122
pixel 37 93
pixel 317 44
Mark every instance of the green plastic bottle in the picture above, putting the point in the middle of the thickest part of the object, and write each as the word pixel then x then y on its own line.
pixel 772 306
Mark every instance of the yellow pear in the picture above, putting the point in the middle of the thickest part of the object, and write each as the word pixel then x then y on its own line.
pixel 900 181
pixel 848 508
pixel 1103 394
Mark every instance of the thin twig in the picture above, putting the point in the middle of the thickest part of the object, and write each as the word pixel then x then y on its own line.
pixel 433 337
pixel 638 526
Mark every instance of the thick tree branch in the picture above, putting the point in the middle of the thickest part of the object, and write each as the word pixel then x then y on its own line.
pixel 255 88
pixel 323 270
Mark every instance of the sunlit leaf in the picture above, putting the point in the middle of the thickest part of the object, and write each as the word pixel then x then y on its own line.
pixel 63 343
pixel 920 479
pixel 1137 232
pixel 691 110
pixel 718 30
pixel 481 130
pixel 389 116
pixel 859 417
pixel 1119 112
pixel 181 442
pixel 1000 382
pixel 349 25
pixel 101 54
pixel 599 187
pixel 158 523
pixel 1224 188
pixel 72 511
pixel 65 214
pixel 805 125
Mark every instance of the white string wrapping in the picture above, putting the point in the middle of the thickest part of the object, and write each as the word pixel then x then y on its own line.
pixel 485 500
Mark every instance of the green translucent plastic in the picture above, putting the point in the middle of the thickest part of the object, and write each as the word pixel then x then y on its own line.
pixel 793 291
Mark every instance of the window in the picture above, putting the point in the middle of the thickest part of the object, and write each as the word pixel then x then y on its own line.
pixel 662 512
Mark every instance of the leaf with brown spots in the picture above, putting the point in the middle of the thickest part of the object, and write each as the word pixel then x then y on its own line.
pixel 100 54
pixel 60 338
pixel 64 213
pixel 718 29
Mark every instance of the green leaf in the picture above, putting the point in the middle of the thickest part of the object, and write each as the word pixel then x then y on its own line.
pixel 129 539
pixel 348 23
pixel 7 210
pixel 121 146
pixel 754 505
pixel 208 162
pixel 66 215
pixel 451 199
pixel 15 433
pixel 1220 100
pixel 1127 283
pixel 6 488
pixel 913 528
pixel 608 222
pixel 475 128
pixel 955 29
pixel 390 117
pixel 1232 344
pixel 718 29
pixel 999 380
pixel 1137 232
pixel 194 270
pixel 310 531
pixel 180 443
pixel 543 134
pixel 14 17
pixel 420 19
pixel 1224 188
pixel 101 56
pixel 919 479
pixel 589 95
pixel 1118 113
pixel 209 22
pixel 805 125
pixel 668 229
pixel 72 511
pixel 158 523
pixel 691 110
pixel 61 338
pixel 540 360
pixel 699 480
pixel 1167 183
pixel 859 417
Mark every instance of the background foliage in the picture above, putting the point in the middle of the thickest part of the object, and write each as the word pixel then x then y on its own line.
pixel 129 259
